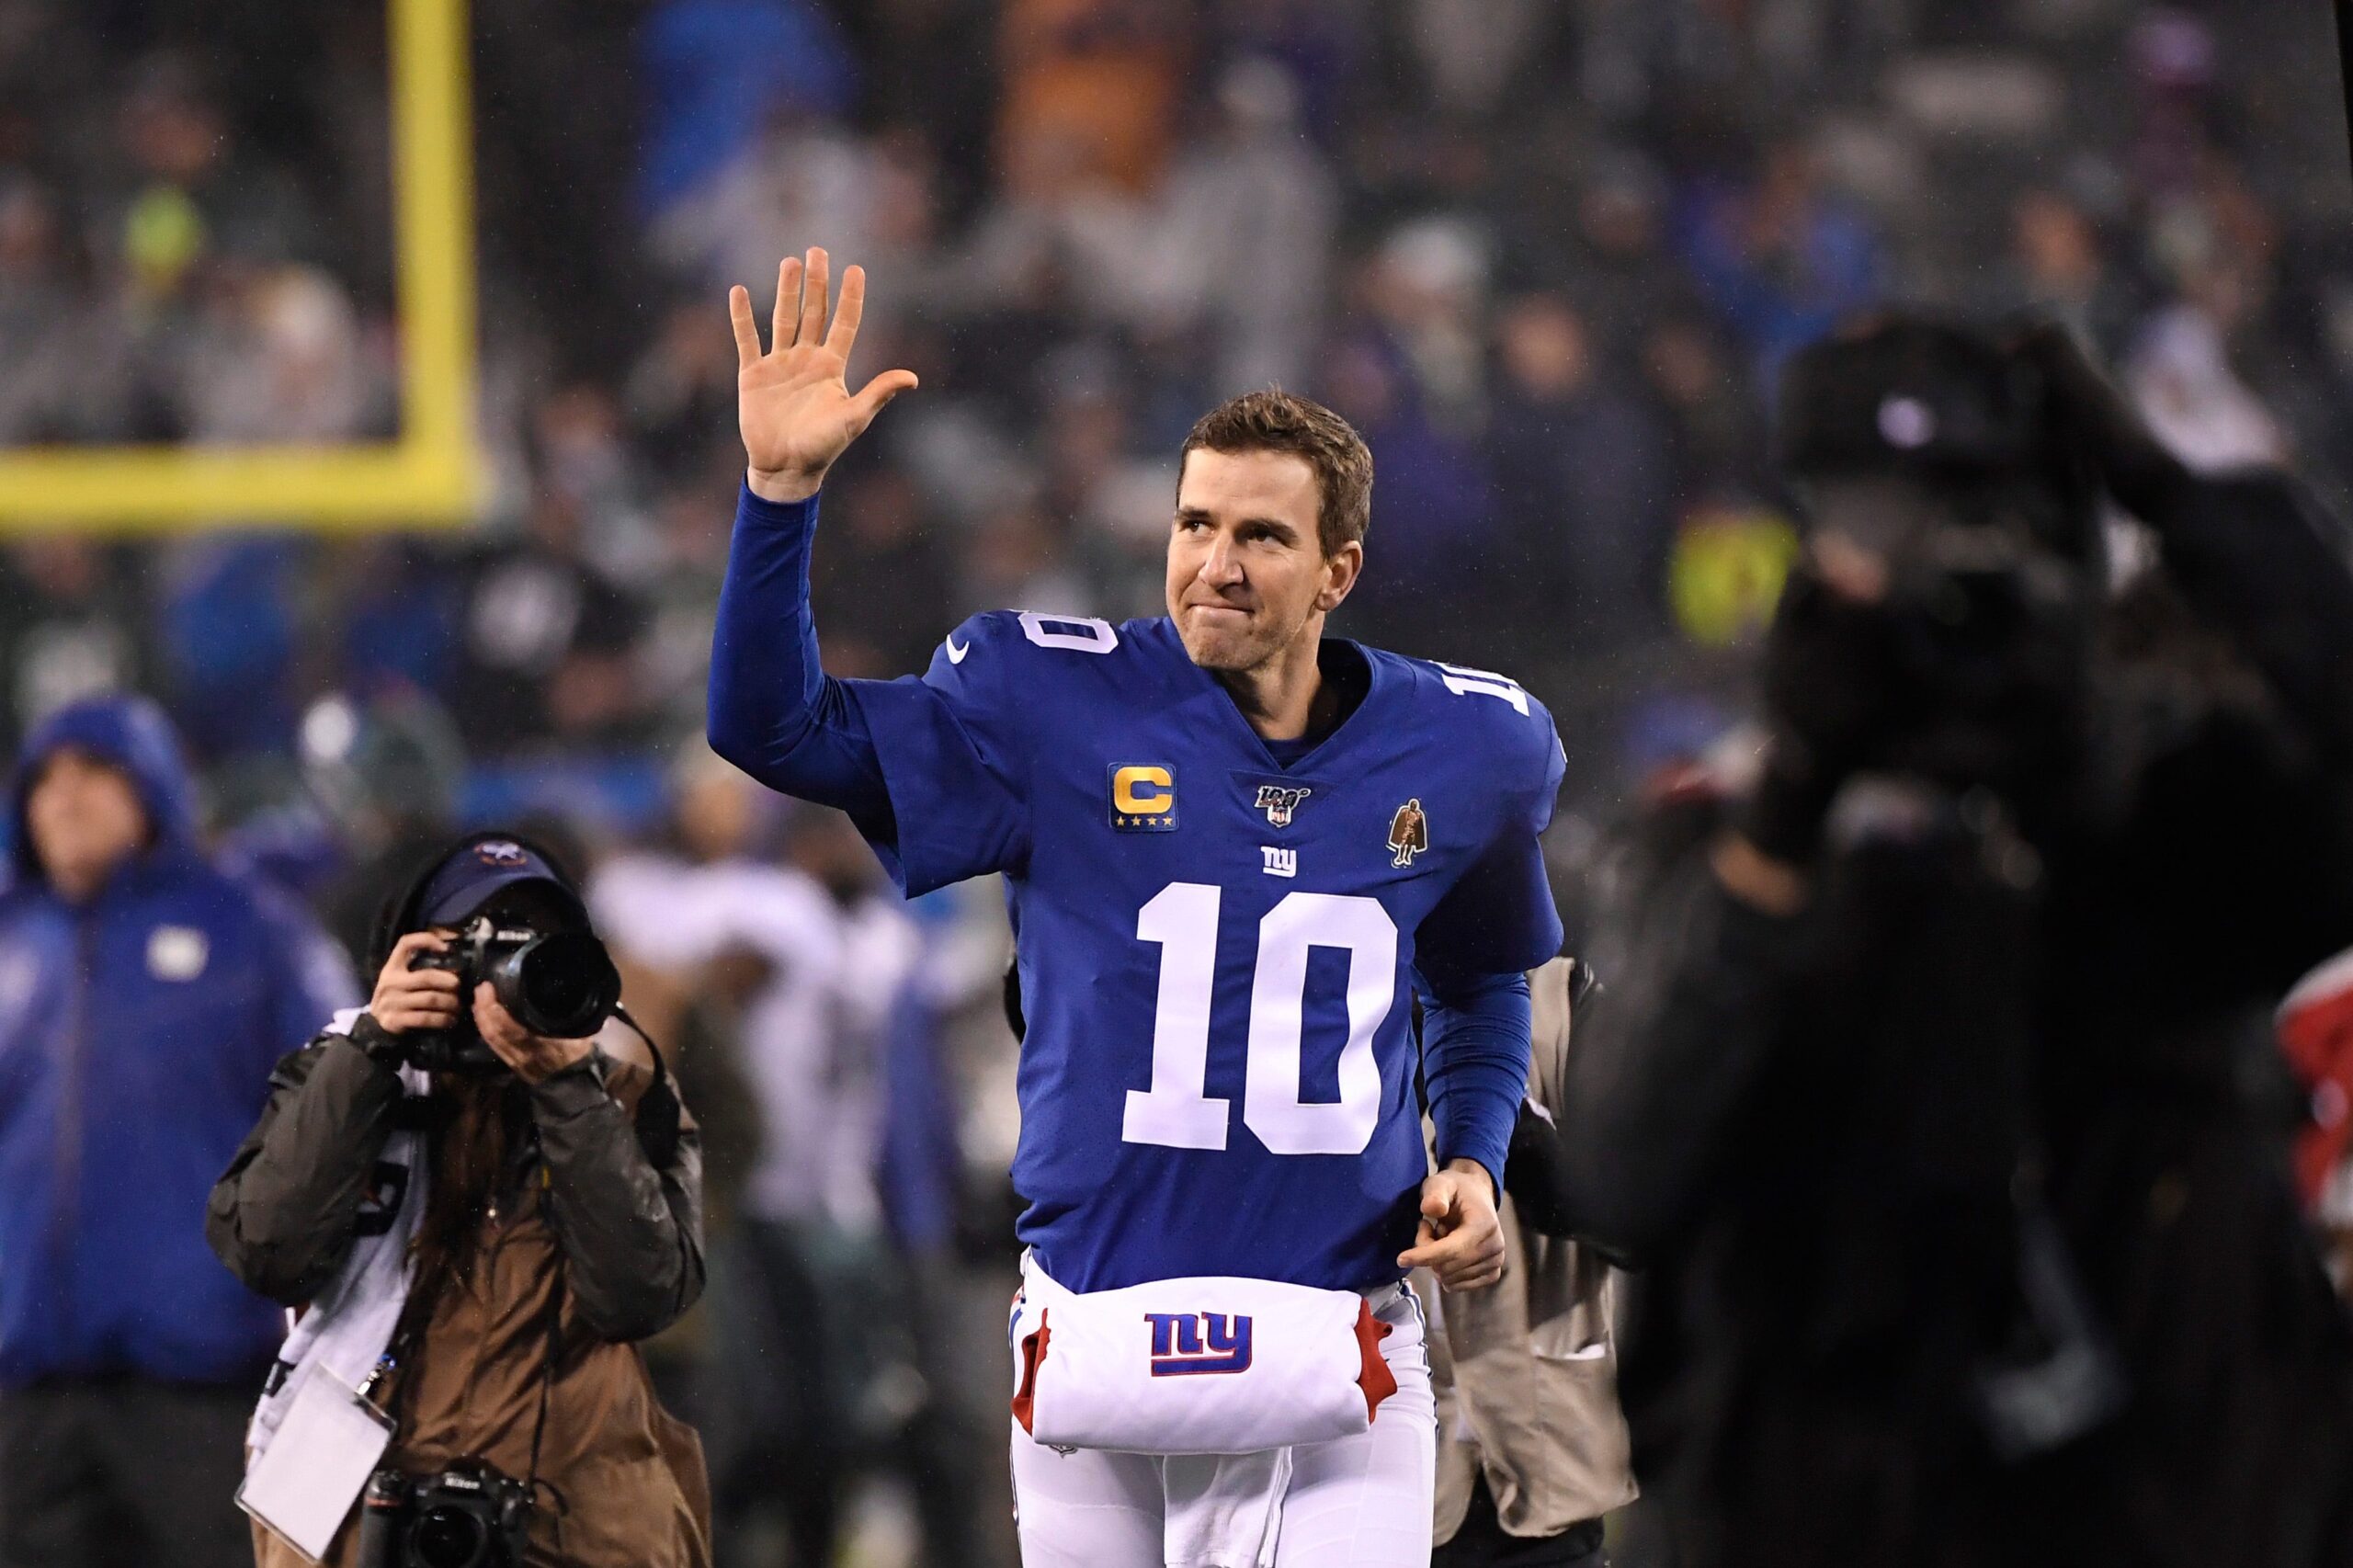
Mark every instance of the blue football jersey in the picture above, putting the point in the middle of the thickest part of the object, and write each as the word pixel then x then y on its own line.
pixel 1216 951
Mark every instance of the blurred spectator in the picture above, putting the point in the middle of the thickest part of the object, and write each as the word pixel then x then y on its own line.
pixel 385 776
pixel 65 372
pixel 813 1374
pixel 76 627
pixel 397 615
pixel 715 71
pixel 1425 288
pixel 808 179
pixel 1718 430
pixel 681 393
pixel 144 997
pixel 1097 81
pixel 1581 474
pixel 1084 216
pixel 1433 500
pixel 1251 215
pixel 2181 376
pixel 229 643
pixel 1017 562
pixel 1619 271
pixel 1779 259
pixel 682 599
pixel 883 579
pixel 282 362
pixel 1471 51
pixel 546 640
pixel 578 438
pixel 2061 267
pixel 190 202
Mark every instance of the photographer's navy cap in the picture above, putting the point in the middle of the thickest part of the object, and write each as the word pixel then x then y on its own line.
pixel 475 872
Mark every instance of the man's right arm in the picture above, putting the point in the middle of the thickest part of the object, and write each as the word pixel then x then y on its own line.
pixel 774 712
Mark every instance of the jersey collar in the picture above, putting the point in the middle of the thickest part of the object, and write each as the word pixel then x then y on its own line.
pixel 1376 677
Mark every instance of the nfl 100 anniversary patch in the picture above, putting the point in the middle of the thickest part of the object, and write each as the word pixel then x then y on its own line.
pixel 1280 800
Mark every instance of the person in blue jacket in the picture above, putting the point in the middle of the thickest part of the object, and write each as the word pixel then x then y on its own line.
pixel 144 996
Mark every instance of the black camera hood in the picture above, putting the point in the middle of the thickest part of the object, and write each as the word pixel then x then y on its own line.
pixel 400 914
pixel 1897 393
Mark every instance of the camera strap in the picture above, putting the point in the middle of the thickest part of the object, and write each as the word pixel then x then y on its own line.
pixel 547 1385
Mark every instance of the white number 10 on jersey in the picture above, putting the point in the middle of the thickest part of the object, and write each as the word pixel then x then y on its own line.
pixel 1174 1112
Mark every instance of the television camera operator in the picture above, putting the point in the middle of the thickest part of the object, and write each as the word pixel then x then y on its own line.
pixel 483 1192
pixel 1935 1089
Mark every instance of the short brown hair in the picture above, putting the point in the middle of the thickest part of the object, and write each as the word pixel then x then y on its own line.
pixel 1275 421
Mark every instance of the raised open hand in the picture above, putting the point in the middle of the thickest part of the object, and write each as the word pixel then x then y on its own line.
pixel 794 404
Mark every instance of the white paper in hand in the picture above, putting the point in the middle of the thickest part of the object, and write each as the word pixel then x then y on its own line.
pixel 305 1483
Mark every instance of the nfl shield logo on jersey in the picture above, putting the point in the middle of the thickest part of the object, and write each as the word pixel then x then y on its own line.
pixel 1409 833
pixel 1279 800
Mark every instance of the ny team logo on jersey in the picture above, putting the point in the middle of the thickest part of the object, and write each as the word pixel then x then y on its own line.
pixel 1187 1344
pixel 1279 800
pixel 1143 798
pixel 1409 833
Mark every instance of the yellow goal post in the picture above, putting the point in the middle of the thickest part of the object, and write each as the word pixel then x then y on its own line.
pixel 433 473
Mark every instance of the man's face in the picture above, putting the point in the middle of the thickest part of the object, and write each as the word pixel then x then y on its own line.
pixel 85 819
pixel 1247 575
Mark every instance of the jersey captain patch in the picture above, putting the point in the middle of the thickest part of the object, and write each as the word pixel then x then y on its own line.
pixel 1143 798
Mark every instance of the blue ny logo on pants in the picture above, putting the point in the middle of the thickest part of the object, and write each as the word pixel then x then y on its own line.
pixel 1185 1344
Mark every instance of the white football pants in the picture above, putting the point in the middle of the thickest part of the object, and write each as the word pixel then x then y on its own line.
pixel 1361 1501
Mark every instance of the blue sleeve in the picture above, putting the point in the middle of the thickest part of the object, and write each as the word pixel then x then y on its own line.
pixel 1499 917
pixel 1475 1046
pixel 953 748
pixel 930 769
pixel 774 711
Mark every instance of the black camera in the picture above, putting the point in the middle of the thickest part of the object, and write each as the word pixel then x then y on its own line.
pixel 561 985
pixel 469 1516
pixel 1938 452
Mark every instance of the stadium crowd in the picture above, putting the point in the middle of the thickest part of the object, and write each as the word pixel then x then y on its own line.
pixel 1547 257
pixel 1547 262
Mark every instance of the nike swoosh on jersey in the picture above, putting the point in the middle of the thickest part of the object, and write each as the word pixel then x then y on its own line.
pixel 955 654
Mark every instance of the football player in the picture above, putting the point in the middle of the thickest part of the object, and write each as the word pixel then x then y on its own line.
pixel 1234 850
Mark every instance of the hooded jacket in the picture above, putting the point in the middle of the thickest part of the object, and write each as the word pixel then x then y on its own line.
pixel 597 1222
pixel 137 1034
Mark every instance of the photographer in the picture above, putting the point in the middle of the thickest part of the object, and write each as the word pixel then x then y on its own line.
pixel 1937 1089
pixel 491 1315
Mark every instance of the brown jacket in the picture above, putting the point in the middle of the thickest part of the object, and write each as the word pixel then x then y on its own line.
pixel 591 1213
pixel 1526 1372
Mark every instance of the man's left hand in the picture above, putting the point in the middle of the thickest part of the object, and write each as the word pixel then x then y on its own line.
pixel 533 1057
pixel 1460 1239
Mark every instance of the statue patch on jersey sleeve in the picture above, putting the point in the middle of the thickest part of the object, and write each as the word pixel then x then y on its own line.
pixel 1409 833
pixel 1143 798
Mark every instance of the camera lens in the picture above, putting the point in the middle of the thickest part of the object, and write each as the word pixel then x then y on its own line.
pixel 450 1538
pixel 561 984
